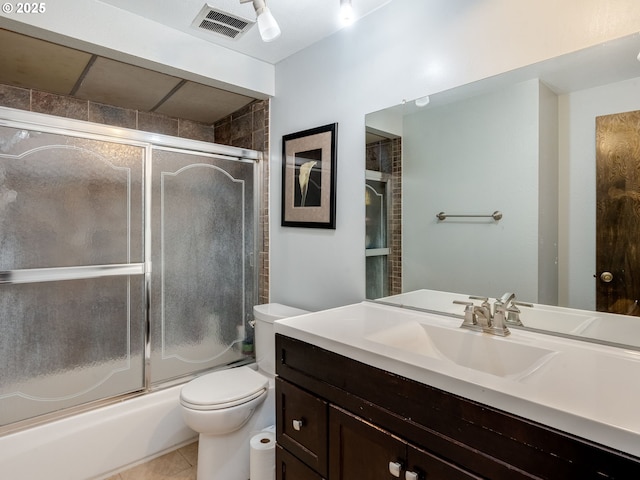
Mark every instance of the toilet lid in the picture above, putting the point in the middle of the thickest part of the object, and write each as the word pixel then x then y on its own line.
pixel 223 389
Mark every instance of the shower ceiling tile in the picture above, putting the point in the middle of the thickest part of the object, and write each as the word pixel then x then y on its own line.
pixel 201 103
pixel 31 63
pixel 123 85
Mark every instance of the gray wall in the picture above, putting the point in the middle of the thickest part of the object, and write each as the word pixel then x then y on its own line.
pixel 474 157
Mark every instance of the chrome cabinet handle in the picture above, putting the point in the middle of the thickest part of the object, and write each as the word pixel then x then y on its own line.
pixel 298 424
pixel 395 468
pixel 411 476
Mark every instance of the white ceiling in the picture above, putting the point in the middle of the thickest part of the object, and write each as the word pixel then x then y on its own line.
pixel 303 22
pixel 38 64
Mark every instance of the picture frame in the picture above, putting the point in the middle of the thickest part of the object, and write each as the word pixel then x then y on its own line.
pixel 309 162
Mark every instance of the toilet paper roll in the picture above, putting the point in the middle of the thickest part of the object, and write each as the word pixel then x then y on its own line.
pixel 262 456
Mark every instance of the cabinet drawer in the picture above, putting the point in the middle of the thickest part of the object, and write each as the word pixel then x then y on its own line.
pixel 359 449
pixel 302 425
pixel 289 467
pixel 426 465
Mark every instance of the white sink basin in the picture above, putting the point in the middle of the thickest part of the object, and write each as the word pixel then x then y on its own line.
pixel 613 328
pixel 478 351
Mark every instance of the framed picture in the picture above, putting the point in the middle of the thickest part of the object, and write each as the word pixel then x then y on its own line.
pixel 309 178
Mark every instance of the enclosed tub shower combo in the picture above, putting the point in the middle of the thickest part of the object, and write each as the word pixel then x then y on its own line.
pixel 127 264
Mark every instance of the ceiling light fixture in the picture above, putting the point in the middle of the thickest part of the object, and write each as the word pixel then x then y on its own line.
pixel 422 101
pixel 267 25
pixel 346 12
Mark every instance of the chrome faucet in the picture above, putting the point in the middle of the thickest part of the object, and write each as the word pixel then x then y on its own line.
pixel 512 310
pixel 500 313
pixel 484 318
pixel 507 298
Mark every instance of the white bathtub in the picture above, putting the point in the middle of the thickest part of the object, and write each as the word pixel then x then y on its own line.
pixel 107 440
pixel 99 442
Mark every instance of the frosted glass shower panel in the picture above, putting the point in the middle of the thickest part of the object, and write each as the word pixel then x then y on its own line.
pixel 68 201
pixel 377 234
pixel 68 343
pixel 203 224
pixel 72 286
pixel 376 214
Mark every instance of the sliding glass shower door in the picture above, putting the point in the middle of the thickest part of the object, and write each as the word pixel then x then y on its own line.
pixel 71 256
pixel 203 278
pixel 125 262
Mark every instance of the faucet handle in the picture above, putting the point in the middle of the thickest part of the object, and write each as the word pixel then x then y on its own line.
pixel 485 300
pixel 476 297
pixel 469 313
pixel 513 317
pixel 513 313
pixel 522 304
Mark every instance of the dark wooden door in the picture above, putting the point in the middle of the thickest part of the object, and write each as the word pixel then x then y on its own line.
pixel 359 450
pixel 618 213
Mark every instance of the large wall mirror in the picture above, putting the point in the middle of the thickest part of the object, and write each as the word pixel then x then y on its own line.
pixel 552 147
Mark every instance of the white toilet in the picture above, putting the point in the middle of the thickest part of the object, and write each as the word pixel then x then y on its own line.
pixel 227 407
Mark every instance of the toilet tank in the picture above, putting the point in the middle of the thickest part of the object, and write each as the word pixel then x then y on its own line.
pixel 264 337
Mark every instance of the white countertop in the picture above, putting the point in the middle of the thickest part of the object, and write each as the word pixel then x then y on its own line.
pixel 609 328
pixel 585 389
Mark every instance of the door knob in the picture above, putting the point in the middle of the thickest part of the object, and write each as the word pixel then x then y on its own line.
pixel 606 277
pixel 298 424
pixel 411 476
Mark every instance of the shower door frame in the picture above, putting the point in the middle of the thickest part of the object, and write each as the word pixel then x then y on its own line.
pixel 20 119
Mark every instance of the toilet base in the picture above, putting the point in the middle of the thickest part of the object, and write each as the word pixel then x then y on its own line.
pixel 226 457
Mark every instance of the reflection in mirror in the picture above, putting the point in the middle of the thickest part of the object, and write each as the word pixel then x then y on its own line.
pixel 383 197
pixel 376 237
pixel 523 143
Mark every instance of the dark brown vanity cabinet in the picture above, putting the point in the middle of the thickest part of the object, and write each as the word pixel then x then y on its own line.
pixel 301 427
pixel 360 450
pixel 339 419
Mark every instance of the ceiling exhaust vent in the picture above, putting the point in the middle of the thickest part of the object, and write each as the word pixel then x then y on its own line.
pixel 227 24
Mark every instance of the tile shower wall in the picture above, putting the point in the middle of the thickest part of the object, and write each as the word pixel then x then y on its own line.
pixel 395 266
pixel 386 156
pixel 246 128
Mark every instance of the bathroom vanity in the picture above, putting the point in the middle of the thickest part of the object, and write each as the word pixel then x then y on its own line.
pixel 371 391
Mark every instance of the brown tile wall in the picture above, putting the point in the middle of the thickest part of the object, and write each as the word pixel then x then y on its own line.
pixel 246 128
pixel 69 107
pixel 395 257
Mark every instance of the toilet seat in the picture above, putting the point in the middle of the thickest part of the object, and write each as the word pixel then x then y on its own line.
pixel 223 389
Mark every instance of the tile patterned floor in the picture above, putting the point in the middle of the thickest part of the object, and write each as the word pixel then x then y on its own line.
pixel 177 465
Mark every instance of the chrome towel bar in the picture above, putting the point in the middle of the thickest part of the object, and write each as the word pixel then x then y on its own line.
pixel 495 215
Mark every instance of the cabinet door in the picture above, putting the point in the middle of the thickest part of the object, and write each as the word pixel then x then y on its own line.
pixel 302 425
pixel 289 467
pixel 422 465
pixel 360 450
